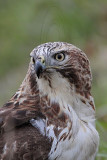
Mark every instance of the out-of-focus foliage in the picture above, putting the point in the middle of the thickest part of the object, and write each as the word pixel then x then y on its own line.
pixel 25 24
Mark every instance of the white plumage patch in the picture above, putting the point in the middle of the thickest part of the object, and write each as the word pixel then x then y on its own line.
pixel 78 146
pixel 40 125
pixel 5 149
pixel 60 91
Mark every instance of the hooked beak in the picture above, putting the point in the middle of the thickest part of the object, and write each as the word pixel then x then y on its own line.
pixel 40 66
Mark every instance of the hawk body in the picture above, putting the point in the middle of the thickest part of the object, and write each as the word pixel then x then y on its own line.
pixel 52 115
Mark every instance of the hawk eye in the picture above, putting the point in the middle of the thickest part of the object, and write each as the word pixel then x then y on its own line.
pixel 59 56
pixel 33 60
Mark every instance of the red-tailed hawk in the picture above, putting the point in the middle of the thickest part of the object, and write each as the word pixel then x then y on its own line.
pixel 52 115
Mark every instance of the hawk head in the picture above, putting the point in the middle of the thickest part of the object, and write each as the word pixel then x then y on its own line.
pixel 60 64
pixel 61 73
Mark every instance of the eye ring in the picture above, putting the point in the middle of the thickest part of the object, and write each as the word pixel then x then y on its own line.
pixel 59 57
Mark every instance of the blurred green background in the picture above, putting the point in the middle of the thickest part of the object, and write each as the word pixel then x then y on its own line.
pixel 25 24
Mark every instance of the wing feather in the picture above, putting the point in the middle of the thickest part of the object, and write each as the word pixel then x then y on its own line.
pixel 19 140
pixel 24 143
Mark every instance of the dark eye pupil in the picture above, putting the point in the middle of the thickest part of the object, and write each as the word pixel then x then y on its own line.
pixel 59 56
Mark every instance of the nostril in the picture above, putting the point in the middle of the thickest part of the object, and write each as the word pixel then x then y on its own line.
pixel 41 59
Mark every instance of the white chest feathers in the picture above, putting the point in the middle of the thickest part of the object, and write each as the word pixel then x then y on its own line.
pixel 80 143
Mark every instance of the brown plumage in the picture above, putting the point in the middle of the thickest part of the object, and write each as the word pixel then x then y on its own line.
pixel 21 140
pixel 52 110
